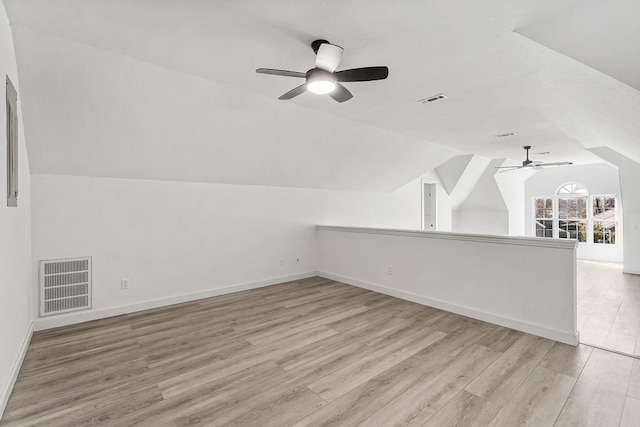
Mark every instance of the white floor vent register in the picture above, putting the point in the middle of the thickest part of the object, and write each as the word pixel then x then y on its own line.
pixel 65 285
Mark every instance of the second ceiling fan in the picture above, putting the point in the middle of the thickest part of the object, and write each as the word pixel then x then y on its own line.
pixel 531 164
pixel 323 78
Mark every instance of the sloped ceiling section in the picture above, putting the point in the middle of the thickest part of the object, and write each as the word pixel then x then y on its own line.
pixel 602 35
pixel 168 90
pixel 105 114
pixel 450 171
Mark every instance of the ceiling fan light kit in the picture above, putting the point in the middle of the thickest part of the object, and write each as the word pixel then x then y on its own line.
pixel 324 79
pixel 320 81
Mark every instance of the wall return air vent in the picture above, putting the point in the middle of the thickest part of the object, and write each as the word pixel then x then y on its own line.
pixel 65 285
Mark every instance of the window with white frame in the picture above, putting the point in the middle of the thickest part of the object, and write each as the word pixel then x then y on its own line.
pixel 544 217
pixel 604 219
pixel 573 214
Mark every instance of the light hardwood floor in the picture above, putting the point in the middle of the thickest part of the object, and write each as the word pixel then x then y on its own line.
pixel 609 307
pixel 315 352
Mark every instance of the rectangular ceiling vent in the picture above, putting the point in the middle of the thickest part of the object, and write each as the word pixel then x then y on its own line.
pixel 433 98
pixel 65 285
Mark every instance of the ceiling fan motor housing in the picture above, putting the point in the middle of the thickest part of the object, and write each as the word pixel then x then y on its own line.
pixel 315 45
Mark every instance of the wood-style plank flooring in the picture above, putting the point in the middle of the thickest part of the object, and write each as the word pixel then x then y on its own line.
pixel 609 307
pixel 315 352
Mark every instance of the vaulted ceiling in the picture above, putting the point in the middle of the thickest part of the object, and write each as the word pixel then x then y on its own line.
pixel 167 89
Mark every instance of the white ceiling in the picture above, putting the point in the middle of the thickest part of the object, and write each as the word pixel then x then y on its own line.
pixel 168 90
pixel 603 35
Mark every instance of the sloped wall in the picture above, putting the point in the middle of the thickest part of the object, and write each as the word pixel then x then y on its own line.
pixel 629 172
pixel 15 238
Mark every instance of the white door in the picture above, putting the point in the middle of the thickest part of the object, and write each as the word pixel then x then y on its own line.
pixel 429 207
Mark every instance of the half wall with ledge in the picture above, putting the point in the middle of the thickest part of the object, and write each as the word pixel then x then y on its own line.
pixel 523 283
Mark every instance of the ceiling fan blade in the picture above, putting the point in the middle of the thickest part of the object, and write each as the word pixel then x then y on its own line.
pixel 341 93
pixel 556 164
pixel 510 169
pixel 281 72
pixel 294 92
pixel 328 56
pixel 362 74
pixel 507 167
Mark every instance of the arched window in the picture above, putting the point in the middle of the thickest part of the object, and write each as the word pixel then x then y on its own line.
pixel 572 189
pixel 572 214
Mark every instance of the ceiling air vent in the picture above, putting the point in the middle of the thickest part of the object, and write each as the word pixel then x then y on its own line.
pixel 65 285
pixel 433 98
pixel 505 135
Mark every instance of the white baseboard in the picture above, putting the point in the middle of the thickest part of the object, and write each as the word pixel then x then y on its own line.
pixel 7 387
pixel 630 271
pixel 101 313
pixel 530 328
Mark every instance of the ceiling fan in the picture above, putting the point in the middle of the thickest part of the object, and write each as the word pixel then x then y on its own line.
pixel 324 78
pixel 531 164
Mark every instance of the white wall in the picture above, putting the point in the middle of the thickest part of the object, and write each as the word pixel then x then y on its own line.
pixel 15 238
pixel 178 240
pixel 629 172
pixel 484 210
pixel 492 278
pixel 511 185
pixel 598 179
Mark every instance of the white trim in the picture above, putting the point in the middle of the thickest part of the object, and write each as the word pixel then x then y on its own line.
pixel 7 387
pixel 630 271
pixel 94 314
pixel 530 328
pixel 570 244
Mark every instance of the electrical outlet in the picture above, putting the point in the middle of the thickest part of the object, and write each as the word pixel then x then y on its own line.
pixel 390 270
pixel 124 284
pixel 281 262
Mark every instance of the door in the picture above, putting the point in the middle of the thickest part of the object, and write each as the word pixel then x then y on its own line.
pixel 429 207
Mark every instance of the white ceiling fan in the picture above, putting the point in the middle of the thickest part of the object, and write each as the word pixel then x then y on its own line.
pixel 531 164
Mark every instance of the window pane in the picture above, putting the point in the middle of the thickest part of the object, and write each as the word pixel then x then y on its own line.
pixel 604 208
pixel 572 229
pixel 544 208
pixel 549 209
pixel 581 208
pixel 544 228
pixel 539 208
pixel 604 232
pixel 598 205
pixel 563 208
pixel 572 208
pixel 574 189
